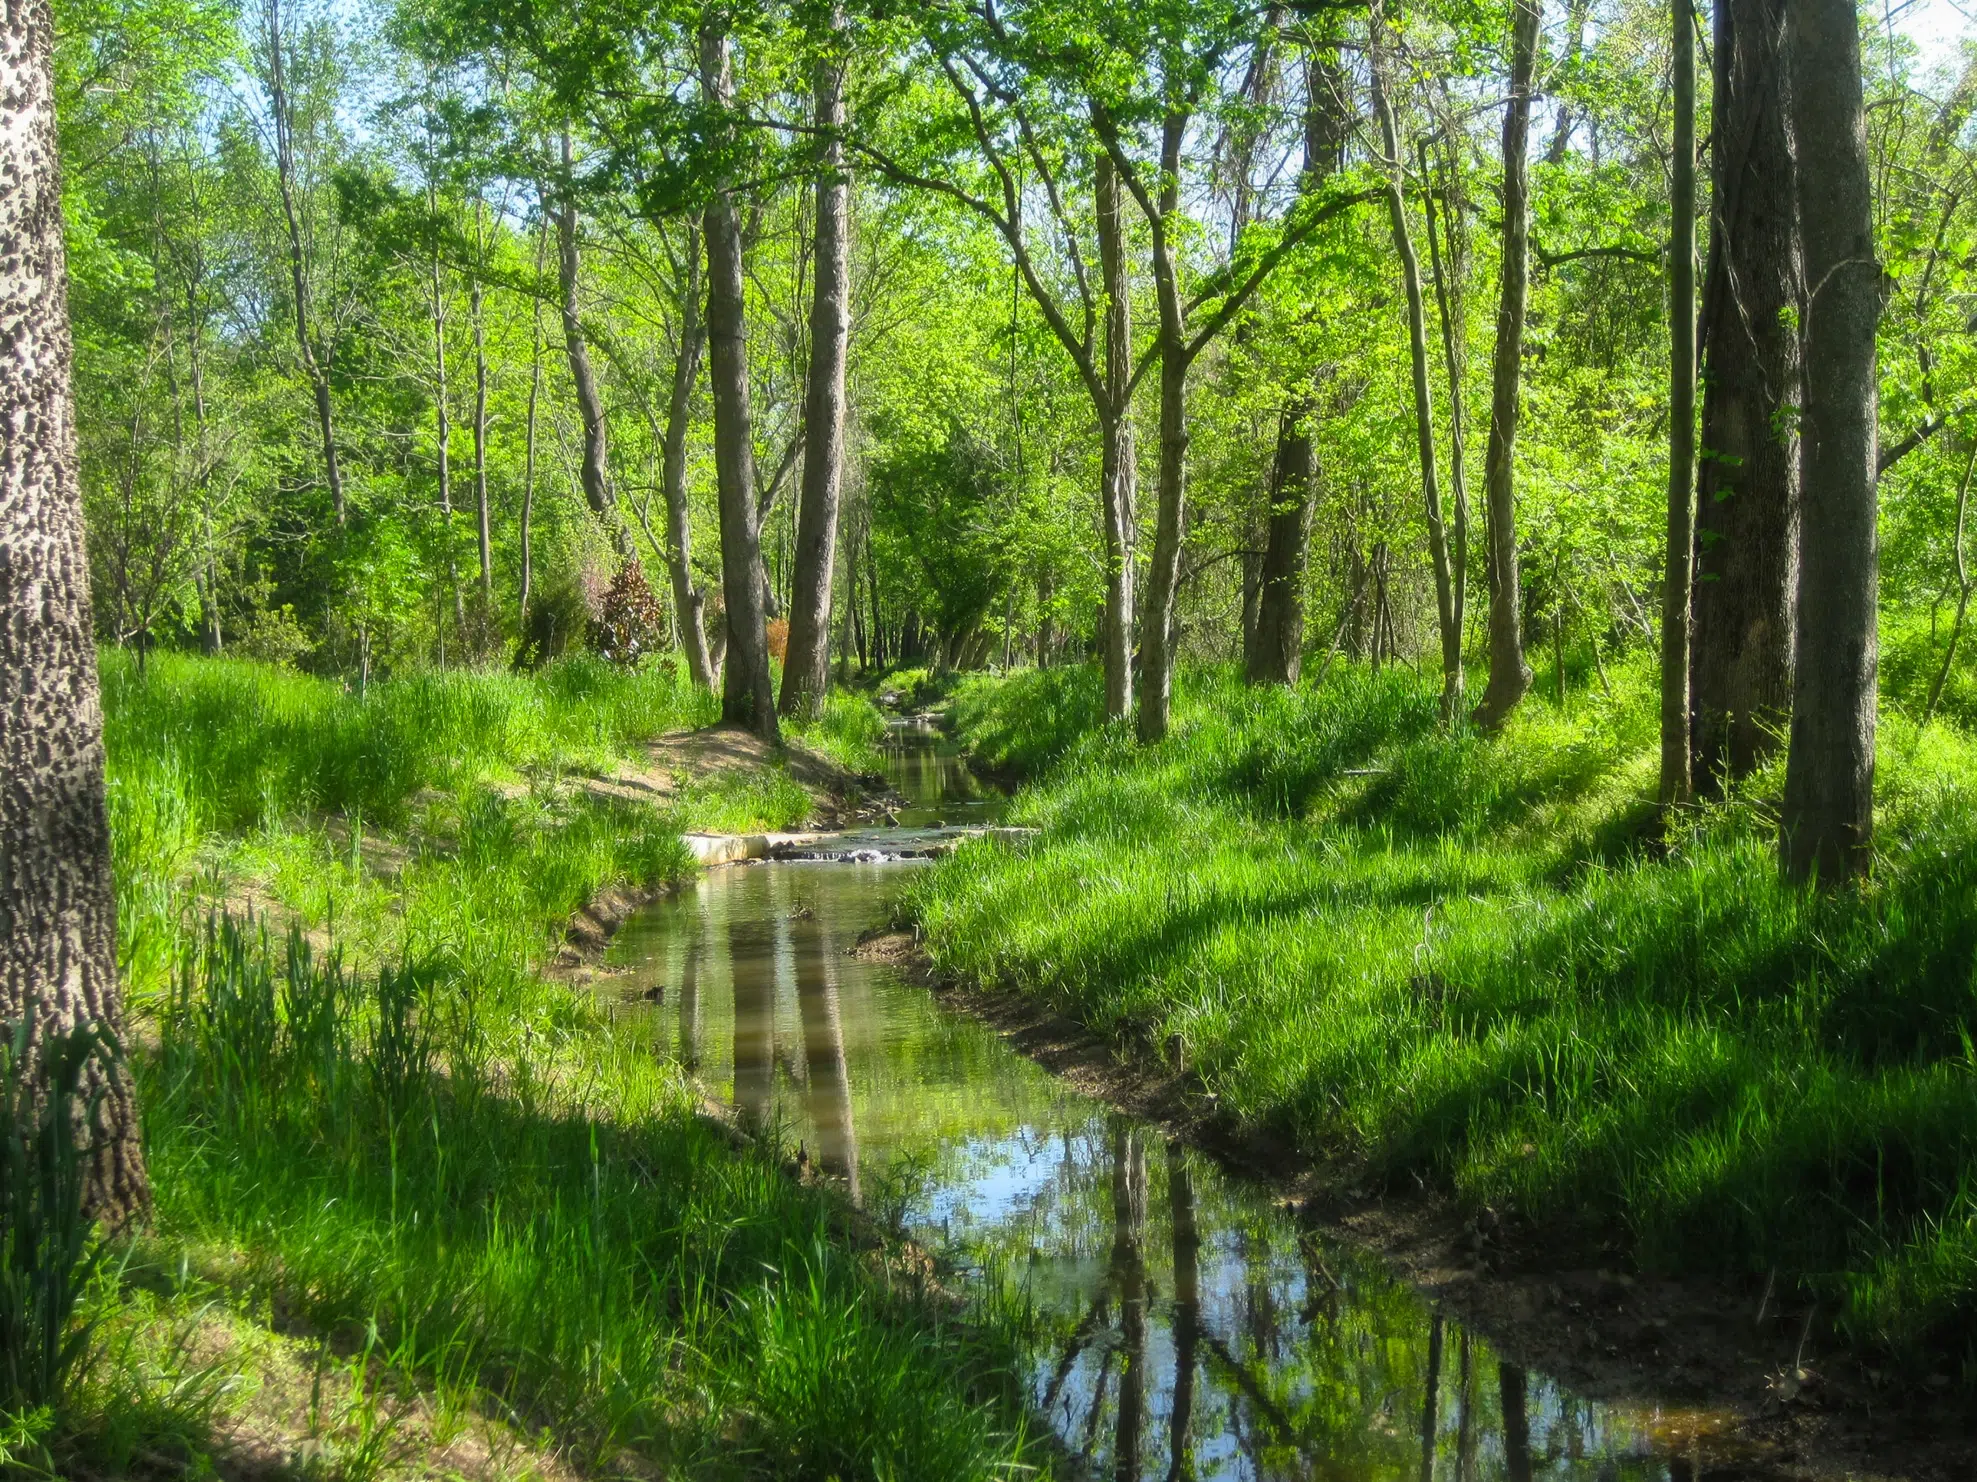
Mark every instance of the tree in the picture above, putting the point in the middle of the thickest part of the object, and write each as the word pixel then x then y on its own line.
pixel 1675 777
pixel 576 346
pixel 1747 481
pixel 807 664
pixel 1827 830
pixel 1510 676
pixel 747 697
pixel 58 964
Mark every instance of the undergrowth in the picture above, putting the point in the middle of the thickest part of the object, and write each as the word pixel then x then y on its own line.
pixel 1460 957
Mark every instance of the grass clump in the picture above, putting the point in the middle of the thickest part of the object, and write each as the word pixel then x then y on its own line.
pixel 1455 956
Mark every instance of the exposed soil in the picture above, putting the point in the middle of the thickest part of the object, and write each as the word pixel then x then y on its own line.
pixel 1742 1366
pixel 680 758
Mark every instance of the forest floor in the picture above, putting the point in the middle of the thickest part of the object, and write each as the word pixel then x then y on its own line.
pixel 1662 1127
pixel 422 1209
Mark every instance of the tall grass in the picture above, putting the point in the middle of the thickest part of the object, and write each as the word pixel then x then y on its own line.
pixel 473 1175
pixel 1458 957
pixel 457 1178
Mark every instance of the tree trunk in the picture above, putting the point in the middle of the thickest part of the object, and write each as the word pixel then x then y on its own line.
pixel 443 435
pixel 528 452
pixel 807 661
pixel 1747 481
pixel 483 521
pixel 1828 823
pixel 1510 676
pixel 58 932
pixel 1170 520
pixel 1276 649
pixel 590 401
pixel 1675 774
pixel 1118 492
pixel 689 602
pixel 1451 302
pixel 1424 407
pixel 747 693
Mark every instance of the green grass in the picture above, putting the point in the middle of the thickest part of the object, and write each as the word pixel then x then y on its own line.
pixel 459 1184
pixel 1456 957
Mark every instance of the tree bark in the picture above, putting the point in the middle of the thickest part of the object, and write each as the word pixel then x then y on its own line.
pixel 1675 772
pixel 443 435
pixel 1118 476
pixel 483 520
pixel 58 934
pixel 528 453
pixel 1828 823
pixel 1424 407
pixel 1170 519
pixel 596 476
pixel 1273 643
pixel 747 693
pixel 1747 480
pixel 1510 676
pixel 689 602
pixel 1451 302
pixel 807 661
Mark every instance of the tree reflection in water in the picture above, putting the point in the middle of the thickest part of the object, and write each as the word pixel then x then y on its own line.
pixel 1187 1327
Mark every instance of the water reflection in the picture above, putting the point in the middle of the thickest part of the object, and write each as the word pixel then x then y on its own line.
pixel 1186 1328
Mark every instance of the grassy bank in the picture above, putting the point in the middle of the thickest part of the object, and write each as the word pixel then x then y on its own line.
pixel 1457 957
pixel 421 1211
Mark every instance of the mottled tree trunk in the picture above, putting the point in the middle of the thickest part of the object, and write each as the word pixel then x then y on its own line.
pixel 58 954
pixel 1828 823
pixel 689 602
pixel 443 438
pixel 1451 302
pixel 590 401
pixel 1747 480
pixel 1680 547
pixel 747 692
pixel 807 662
pixel 527 531
pixel 1118 491
pixel 1510 676
pixel 1424 407
pixel 483 519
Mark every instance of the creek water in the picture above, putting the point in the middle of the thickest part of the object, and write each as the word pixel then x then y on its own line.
pixel 1184 1325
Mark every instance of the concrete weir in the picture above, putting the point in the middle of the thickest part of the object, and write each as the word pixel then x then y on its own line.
pixel 848 845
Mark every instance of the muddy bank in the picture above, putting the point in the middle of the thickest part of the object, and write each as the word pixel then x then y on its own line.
pixel 1793 1405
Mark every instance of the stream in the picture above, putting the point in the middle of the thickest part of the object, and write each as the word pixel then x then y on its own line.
pixel 1184 1324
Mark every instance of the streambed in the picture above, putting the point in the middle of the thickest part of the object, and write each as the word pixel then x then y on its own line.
pixel 1187 1326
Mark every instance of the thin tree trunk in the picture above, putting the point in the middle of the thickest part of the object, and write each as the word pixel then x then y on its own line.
pixel 1510 676
pixel 1962 593
pixel 590 401
pixel 747 694
pixel 1451 302
pixel 1828 824
pixel 315 366
pixel 1424 407
pixel 807 661
pixel 528 444
pixel 689 603
pixel 58 933
pixel 483 520
pixel 443 432
pixel 1170 520
pixel 1118 492
pixel 1747 479
pixel 1675 774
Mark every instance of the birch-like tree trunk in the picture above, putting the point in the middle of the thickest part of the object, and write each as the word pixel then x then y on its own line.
pixel 689 602
pixel 58 931
pixel 1828 824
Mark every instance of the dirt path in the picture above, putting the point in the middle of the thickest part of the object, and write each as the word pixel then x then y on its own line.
pixel 1786 1402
